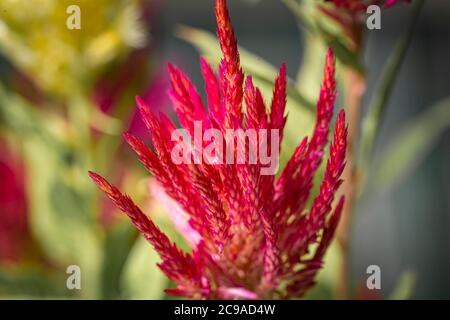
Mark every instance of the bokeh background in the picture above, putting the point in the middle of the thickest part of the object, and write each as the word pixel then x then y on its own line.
pixel 403 227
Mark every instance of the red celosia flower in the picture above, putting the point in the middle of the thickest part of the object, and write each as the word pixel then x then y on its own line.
pixel 252 235
pixel 13 211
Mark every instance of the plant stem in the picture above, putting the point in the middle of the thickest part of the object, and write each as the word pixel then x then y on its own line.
pixel 374 119
pixel 356 87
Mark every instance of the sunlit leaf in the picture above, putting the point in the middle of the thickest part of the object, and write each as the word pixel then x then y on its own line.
pixel 142 279
pixel 59 216
pixel 373 120
pixel 19 116
pixel 303 12
pixel 319 26
pixel 329 276
pixel 342 52
pixel 405 286
pixel 118 244
pixel 412 144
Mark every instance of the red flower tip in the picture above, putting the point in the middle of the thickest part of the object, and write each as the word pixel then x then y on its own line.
pixel 102 183
pixel 226 35
pixel 330 59
pixel 142 105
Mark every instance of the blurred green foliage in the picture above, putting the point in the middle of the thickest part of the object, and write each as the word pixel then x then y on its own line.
pixel 58 146
pixel 412 144
pixel 33 34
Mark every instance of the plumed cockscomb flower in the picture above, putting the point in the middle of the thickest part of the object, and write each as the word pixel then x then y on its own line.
pixel 252 235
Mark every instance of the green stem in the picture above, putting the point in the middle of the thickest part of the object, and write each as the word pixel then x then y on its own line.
pixel 301 11
pixel 377 108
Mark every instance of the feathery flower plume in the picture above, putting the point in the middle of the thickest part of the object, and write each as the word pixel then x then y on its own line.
pixel 252 236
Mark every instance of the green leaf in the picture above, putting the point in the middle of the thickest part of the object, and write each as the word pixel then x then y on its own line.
pixel 412 144
pixel 327 277
pixel 118 245
pixel 59 193
pixel 142 279
pixel 342 51
pixel 303 12
pixel 28 282
pixel 19 116
pixel 60 215
pixel 373 120
pixel 405 286
pixel 319 26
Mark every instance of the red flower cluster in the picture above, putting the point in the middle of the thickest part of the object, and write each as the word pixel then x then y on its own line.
pixel 252 235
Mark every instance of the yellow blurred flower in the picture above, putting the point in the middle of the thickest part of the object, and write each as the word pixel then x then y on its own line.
pixel 36 39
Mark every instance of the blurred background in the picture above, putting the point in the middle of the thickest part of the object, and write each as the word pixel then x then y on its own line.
pixel 66 96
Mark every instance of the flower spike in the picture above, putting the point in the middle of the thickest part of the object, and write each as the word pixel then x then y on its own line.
pixel 175 264
pixel 249 232
pixel 231 71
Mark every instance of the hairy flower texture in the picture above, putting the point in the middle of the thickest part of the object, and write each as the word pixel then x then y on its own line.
pixel 351 14
pixel 252 235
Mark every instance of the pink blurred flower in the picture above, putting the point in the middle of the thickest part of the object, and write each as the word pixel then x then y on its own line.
pixel 251 234
pixel 111 88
